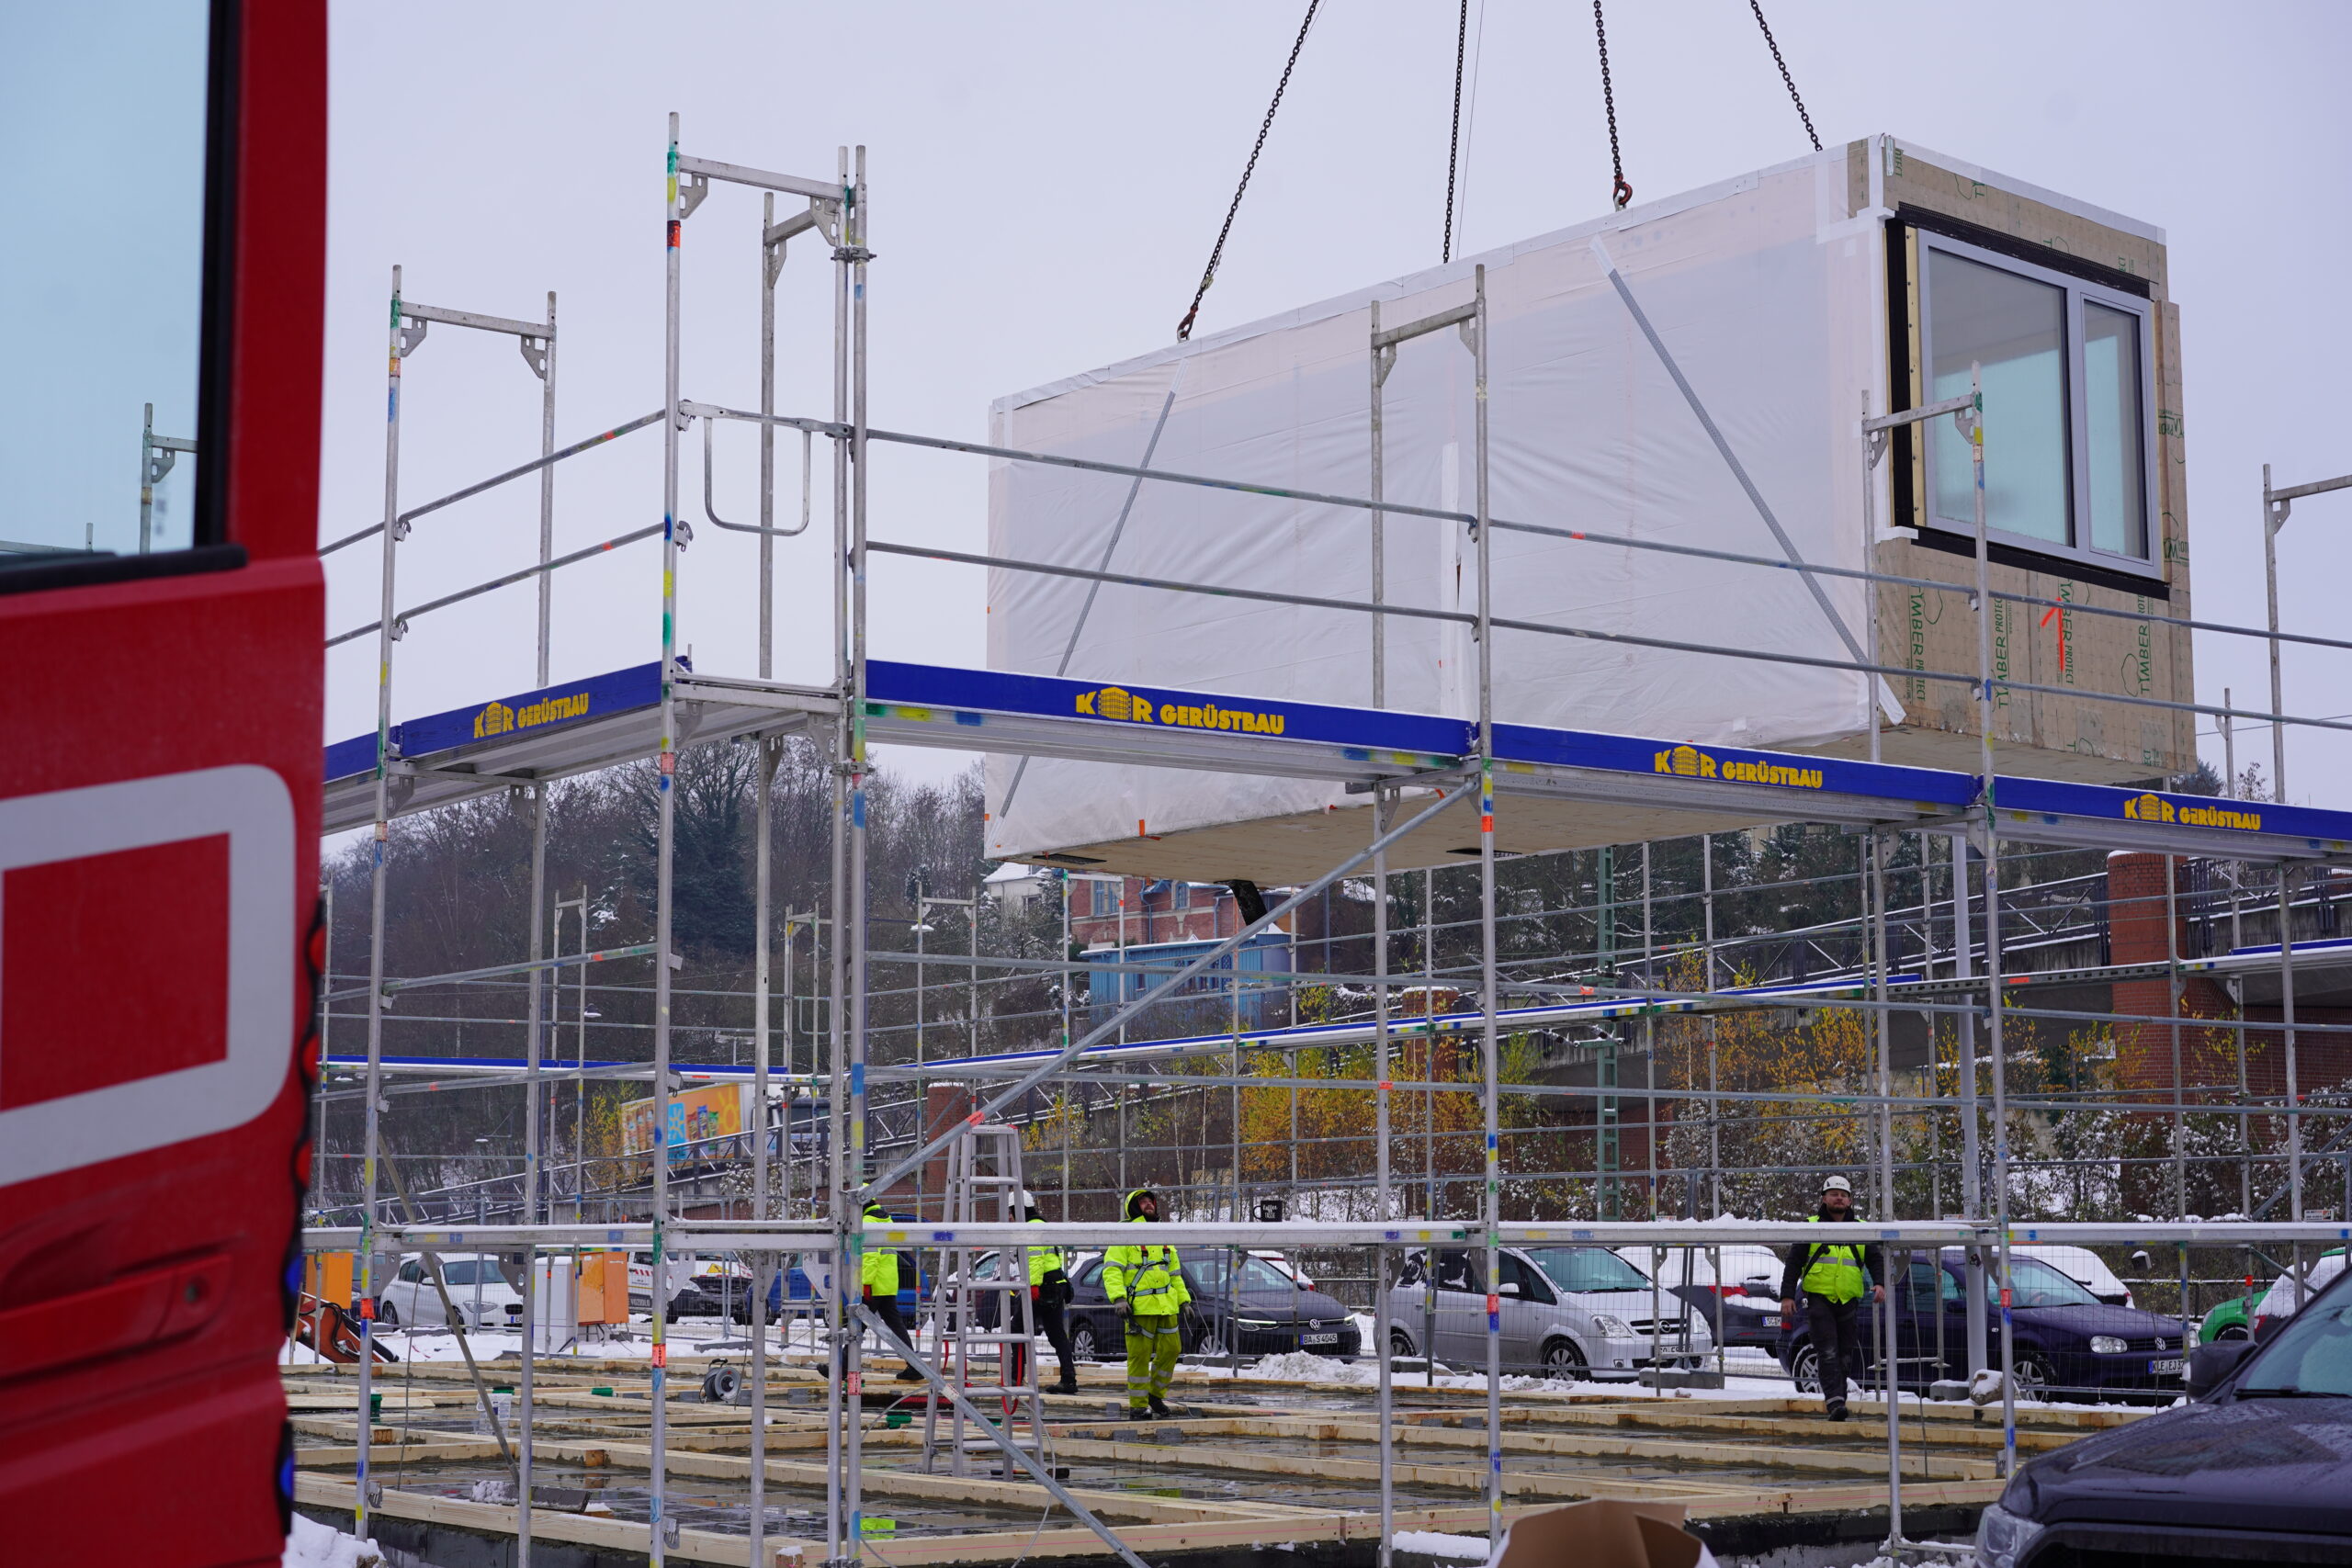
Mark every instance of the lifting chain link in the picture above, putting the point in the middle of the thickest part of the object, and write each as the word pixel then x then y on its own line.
pixel 1621 194
pixel 1786 80
pixel 1216 252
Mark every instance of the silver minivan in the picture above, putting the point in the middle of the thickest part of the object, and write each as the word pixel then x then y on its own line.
pixel 1566 1312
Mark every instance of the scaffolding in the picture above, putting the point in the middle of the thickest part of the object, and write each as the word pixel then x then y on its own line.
pixel 1416 768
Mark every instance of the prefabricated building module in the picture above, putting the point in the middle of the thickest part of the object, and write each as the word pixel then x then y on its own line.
pixel 1692 371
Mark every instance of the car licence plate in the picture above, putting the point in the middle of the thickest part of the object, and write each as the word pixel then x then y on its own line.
pixel 1773 1321
pixel 1318 1339
pixel 2167 1364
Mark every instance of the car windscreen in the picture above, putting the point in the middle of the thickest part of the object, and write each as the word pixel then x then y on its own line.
pixel 1587 1269
pixel 471 1271
pixel 2311 1356
pixel 2033 1283
pixel 1209 1269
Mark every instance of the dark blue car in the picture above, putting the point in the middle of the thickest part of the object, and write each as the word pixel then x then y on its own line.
pixel 2257 1469
pixel 2065 1339
pixel 910 1295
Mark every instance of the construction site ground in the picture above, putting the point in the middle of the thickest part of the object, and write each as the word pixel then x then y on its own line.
pixel 1247 1466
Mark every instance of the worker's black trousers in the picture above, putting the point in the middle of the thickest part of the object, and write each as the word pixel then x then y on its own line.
pixel 886 1309
pixel 1056 1325
pixel 1837 1343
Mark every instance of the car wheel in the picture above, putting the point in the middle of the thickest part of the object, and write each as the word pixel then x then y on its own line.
pixel 387 1314
pixel 2234 1331
pixel 1400 1342
pixel 2034 1378
pixel 1562 1361
pixel 1805 1369
pixel 1082 1341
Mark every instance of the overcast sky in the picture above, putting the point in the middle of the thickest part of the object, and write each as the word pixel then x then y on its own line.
pixel 1047 180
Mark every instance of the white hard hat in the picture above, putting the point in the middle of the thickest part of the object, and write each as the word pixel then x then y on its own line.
pixel 1028 1199
pixel 1839 1184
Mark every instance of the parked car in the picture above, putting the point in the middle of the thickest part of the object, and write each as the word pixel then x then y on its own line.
pixel 1732 1270
pixel 2236 1318
pixel 479 1290
pixel 1568 1312
pixel 789 1284
pixel 793 1284
pixel 1263 1311
pixel 1285 1267
pixel 2287 1294
pixel 2255 1468
pixel 641 1279
pixel 702 1295
pixel 2064 1339
pixel 1736 1293
pixel 2082 1266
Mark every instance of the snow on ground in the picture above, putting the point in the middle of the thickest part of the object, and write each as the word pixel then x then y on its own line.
pixel 315 1545
pixel 1432 1543
pixel 1476 1549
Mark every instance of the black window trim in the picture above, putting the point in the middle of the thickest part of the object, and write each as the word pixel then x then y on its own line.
pixel 2083 282
pixel 209 549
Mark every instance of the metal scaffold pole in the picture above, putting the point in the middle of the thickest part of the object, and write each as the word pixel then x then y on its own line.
pixel 542 362
pixel 841 1386
pixel 1973 419
pixel 763 980
pixel 1491 1212
pixel 1386 1212
pixel 1895 1278
pixel 852 916
pixel 665 844
pixel 387 630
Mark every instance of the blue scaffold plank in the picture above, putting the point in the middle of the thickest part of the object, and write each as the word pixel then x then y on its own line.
pixel 1162 710
pixel 1770 770
pixel 570 702
pixel 2315 830
pixel 967 708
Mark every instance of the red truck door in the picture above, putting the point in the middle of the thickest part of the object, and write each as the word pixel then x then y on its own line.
pixel 159 714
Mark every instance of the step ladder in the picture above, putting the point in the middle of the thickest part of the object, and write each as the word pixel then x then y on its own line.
pixel 983 1327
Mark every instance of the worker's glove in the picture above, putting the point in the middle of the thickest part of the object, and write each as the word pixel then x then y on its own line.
pixel 1126 1309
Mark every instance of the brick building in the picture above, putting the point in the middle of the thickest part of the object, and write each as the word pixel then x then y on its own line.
pixel 2136 920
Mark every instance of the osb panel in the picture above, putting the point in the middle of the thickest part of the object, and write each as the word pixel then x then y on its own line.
pixel 2040 645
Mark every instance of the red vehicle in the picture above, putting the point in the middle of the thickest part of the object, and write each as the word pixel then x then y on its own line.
pixel 160 667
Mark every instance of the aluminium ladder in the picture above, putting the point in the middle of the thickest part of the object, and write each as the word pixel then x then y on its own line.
pixel 980 1314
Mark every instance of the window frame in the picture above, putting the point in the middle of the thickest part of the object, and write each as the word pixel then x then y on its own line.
pixel 210 547
pixel 2077 291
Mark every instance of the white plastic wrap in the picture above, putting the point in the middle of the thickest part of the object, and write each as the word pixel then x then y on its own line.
pixel 1762 289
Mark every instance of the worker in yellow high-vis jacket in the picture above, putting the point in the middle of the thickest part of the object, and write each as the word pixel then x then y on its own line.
pixel 877 1279
pixel 1146 1284
pixel 1829 1278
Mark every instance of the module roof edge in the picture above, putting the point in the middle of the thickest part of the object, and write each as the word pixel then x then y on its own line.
pixel 1409 284
pixel 2073 205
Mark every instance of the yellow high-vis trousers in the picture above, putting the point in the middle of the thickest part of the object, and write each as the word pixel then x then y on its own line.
pixel 1153 1345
